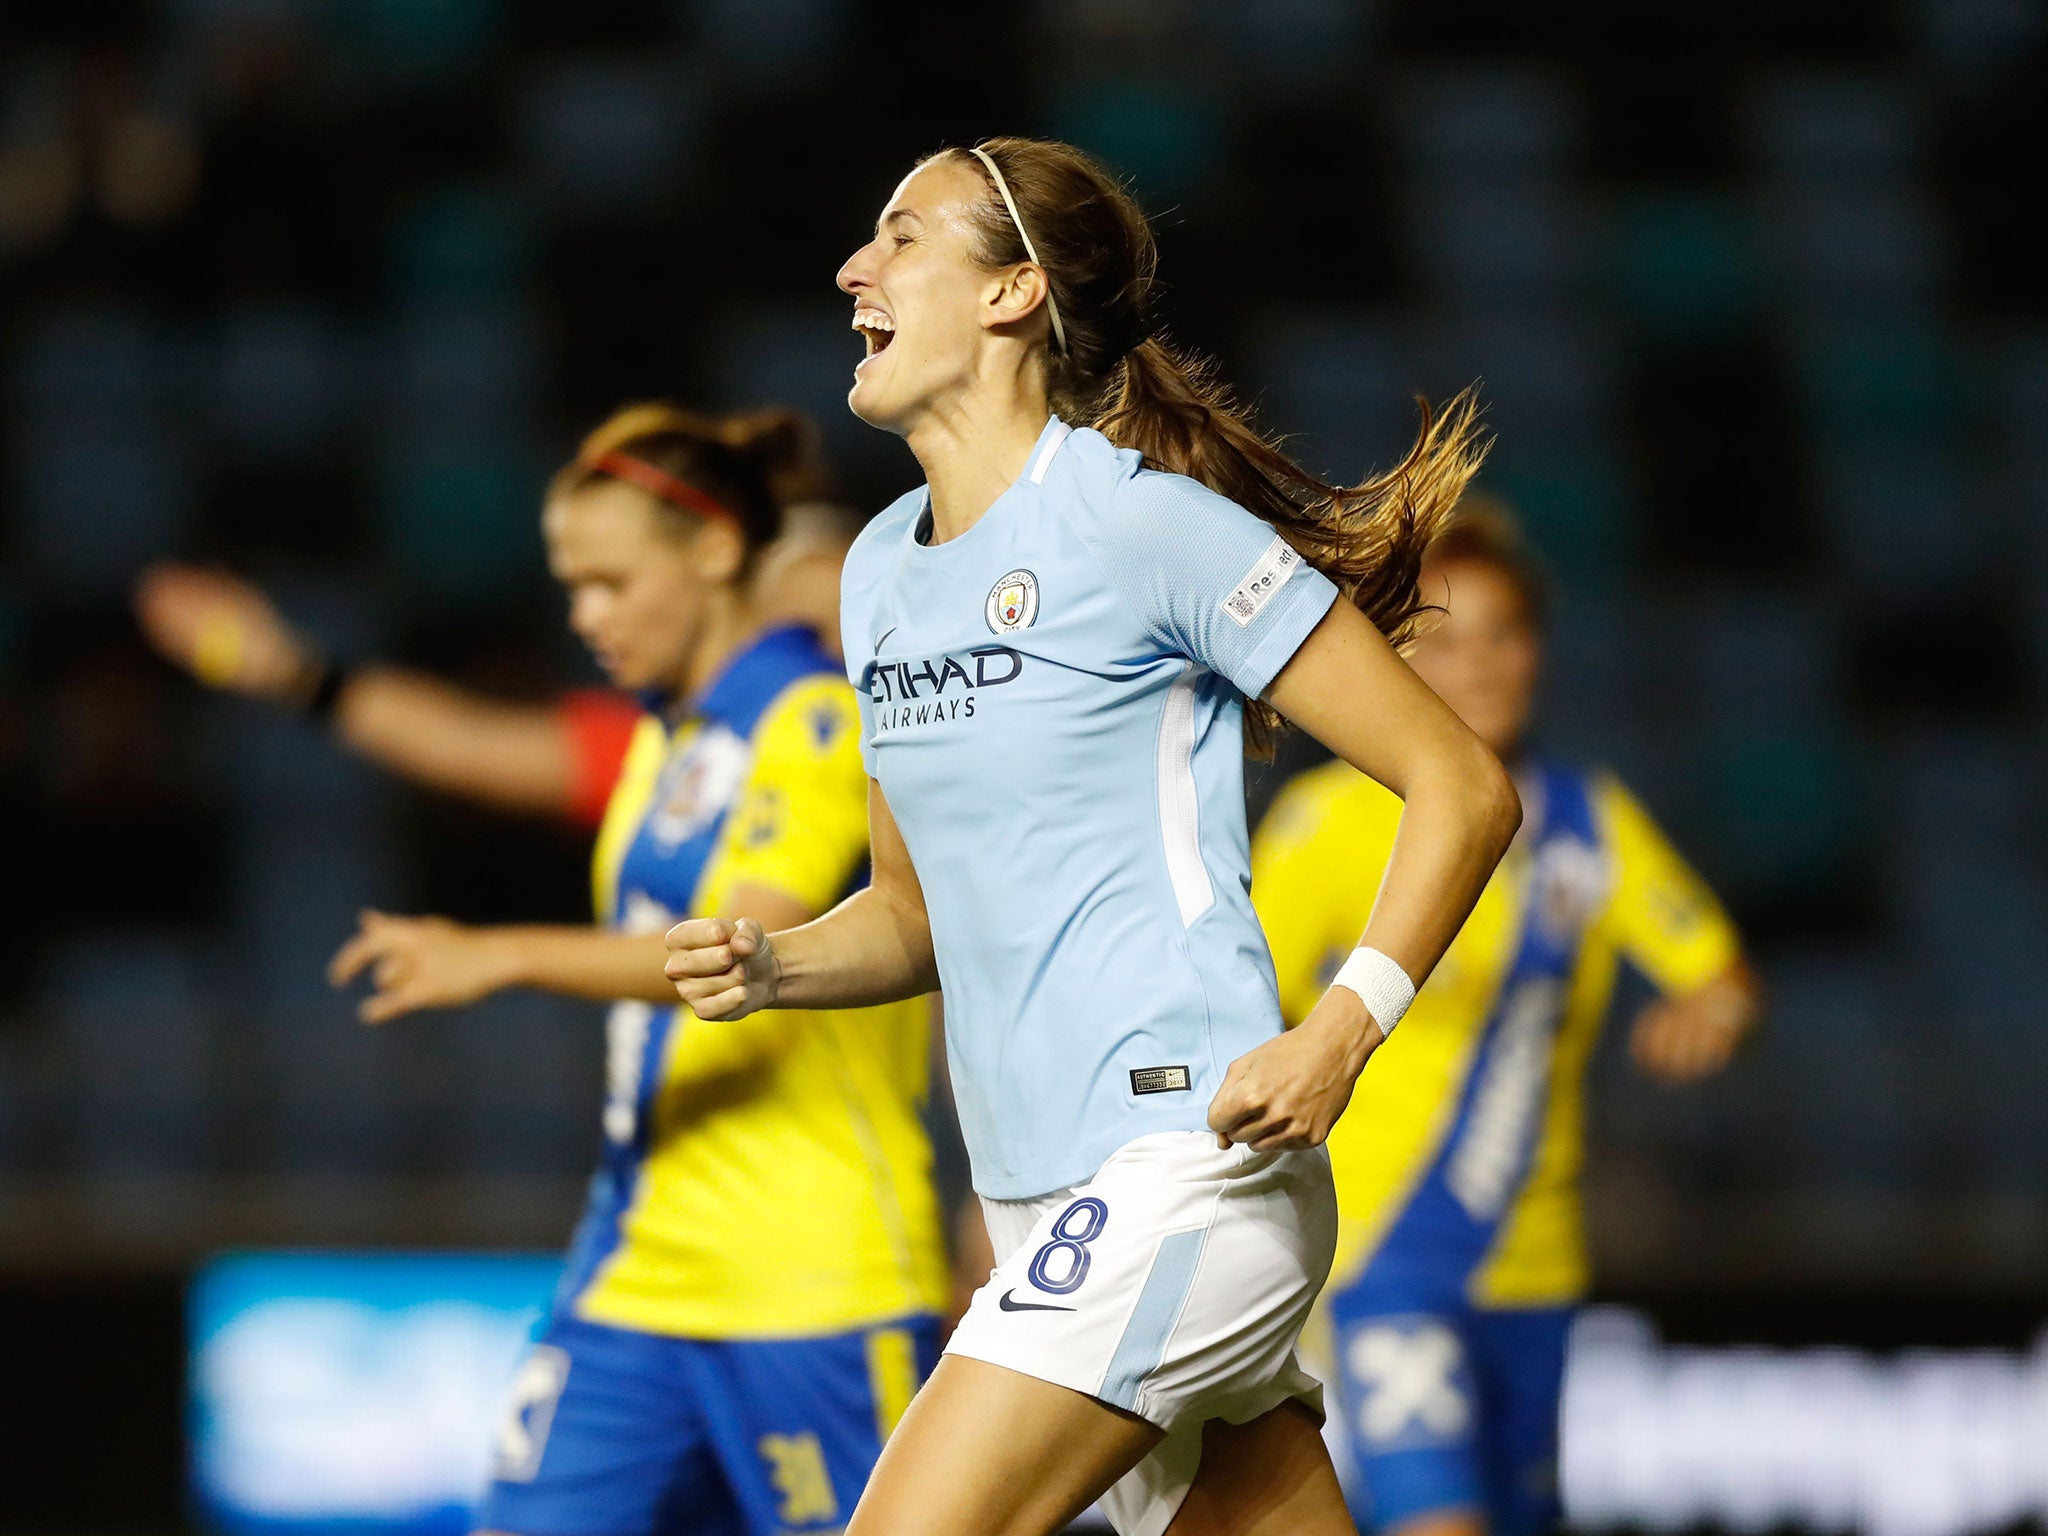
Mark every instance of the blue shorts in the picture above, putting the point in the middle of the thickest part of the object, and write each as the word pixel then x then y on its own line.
pixel 1450 1407
pixel 618 1433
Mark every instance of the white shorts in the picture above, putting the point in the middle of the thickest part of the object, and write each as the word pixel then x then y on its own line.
pixel 1173 1284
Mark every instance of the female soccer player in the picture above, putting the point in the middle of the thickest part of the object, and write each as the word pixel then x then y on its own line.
pixel 1460 1256
pixel 750 1300
pixel 1058 642
pixel 557 759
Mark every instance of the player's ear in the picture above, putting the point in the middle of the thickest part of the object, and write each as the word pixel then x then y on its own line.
pixel 720 550
pixel 1012 294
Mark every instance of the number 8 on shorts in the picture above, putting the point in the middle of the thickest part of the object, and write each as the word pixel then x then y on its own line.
pixel 1068 1248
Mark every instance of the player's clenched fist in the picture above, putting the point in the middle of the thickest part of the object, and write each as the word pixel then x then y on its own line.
pixel 1284 1095
pixel 724 969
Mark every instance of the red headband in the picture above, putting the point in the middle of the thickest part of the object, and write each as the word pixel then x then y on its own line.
pixel 656 482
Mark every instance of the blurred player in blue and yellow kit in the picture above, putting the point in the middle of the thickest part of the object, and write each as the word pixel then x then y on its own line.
pixel 1461 1255
pixel 751 1299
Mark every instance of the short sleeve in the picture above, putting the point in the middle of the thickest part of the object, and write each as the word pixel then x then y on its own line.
pixel 1661 915
pixel 1207 578
pixel 600 725
pixel 799 824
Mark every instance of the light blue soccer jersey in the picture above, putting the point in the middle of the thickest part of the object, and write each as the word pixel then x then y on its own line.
pixel 1053 704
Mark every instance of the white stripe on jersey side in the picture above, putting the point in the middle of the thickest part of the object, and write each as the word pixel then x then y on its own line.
pixel 1180 814
pixel 1043 462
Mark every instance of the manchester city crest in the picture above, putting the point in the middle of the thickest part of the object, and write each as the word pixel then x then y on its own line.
pixel 1012 603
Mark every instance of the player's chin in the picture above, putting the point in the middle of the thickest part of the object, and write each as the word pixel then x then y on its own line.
pixel 864 408
pixel 629 674
pixel 869 400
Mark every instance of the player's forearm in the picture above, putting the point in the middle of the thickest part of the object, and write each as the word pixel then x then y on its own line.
pixel 1456 822
pixel 1728 1005
pixel 513 756
pixel 1350 689
pixel 1690 1035
pixel 1453 832
pixel 583 962
pixel 872 948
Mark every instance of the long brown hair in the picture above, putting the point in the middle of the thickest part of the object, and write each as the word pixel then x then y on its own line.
pixel 746 467
pixel 1118 373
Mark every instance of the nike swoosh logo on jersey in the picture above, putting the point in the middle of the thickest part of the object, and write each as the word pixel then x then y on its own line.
pixel 883 638
pixel 1008 1305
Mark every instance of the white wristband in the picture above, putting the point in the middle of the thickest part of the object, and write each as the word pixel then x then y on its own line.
pixel 1381 985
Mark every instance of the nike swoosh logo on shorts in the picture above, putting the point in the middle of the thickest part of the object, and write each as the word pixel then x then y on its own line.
pixel 1008 1305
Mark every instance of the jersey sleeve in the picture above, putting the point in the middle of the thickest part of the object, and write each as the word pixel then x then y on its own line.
pixel 1208 579
pixel 1313 880
pixel 1661 915
pixel 600 726
pixel 799 824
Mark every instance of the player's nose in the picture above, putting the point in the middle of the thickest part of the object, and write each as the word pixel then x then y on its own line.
pixel 857 273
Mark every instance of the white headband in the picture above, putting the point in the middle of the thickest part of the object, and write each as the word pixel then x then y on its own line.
pixel 1059 332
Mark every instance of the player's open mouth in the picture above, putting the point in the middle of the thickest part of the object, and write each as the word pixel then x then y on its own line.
pixel 876 329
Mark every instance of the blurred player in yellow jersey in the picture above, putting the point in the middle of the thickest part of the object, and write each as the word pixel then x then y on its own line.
pixel 1460 1255
pixel 752 1296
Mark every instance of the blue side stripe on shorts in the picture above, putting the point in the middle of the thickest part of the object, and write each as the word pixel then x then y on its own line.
pixel 1143 1345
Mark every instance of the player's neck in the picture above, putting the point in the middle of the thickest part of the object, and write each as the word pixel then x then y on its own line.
pixel 974 446
pixel 730 622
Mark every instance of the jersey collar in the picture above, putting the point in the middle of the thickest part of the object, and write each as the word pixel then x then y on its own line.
pixel 734 694
pixel 1043 452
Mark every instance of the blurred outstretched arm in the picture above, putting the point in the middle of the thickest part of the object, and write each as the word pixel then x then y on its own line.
pixel 228 634
pixel 414 963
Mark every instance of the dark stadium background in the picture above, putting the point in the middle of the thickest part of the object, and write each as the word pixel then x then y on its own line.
pixel 321 289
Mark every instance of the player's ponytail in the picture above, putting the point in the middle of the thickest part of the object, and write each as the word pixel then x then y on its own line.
pixel 743 468
pixel 1113 370
pixel 786 445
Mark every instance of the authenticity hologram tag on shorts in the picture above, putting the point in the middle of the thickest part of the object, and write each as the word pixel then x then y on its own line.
pixel 1159 1080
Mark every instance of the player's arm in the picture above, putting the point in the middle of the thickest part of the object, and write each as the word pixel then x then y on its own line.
pixel 1666 920
pixel 516 757
pixel 1685 1036
pixel 432 962
pixel 1350 689
pixel 874 947
pixel 1347 687
pixel 228 634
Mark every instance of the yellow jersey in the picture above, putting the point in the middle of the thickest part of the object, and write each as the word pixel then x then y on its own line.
pixel 1457 1163
pixel 769 1177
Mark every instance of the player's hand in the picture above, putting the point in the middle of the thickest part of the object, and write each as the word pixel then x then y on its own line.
pixel 722 968
pixel 1285 1095
pixel 223 631
pixel 419 962
pixel 1693 1035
